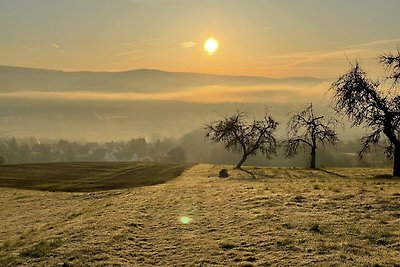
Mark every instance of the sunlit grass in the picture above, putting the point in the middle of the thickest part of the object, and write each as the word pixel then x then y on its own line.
pixel 279 217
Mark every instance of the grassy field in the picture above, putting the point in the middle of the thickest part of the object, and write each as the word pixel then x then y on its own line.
pixel 269 217
pixel 81 177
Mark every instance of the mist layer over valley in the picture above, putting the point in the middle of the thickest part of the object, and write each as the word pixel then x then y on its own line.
pixel 102 115
pixel 99 106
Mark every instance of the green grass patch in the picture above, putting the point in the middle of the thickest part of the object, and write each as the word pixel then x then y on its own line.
pixel 9 260
pixel 41 249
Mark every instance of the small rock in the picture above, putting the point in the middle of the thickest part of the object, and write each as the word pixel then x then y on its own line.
pixel 223 173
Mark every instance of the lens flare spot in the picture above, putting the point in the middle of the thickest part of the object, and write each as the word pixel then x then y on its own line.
pixel 185 220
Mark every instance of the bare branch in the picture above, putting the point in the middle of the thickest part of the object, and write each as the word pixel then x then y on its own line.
pixel 306 130
pixel 368 104
pixel 249 138
pixel 392 63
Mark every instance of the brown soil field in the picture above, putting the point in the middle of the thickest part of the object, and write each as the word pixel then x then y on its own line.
pixel 87 176
pixel 265 217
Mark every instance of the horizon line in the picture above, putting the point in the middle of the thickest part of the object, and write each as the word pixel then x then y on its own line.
pixel 160 70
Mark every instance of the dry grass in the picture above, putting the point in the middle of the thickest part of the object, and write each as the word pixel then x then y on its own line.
pixel 281 217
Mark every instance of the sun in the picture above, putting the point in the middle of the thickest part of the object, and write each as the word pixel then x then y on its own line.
pixel 211 45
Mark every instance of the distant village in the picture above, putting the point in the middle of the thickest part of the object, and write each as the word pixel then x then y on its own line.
pixel 32 150
pixel 191 147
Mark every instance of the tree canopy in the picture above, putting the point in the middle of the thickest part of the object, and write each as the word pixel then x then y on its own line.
pixel 374 105
pixel 240 134
pixel 306 130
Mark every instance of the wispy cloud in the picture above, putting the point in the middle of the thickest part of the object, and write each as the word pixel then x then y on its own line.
pixel 290 60
pixel 112 117
pixel 249 30
pixel 98 116
pixel 128 53
pixel 374 43
pixel 134 58
pixel 55 45
pixel 188 44
pixel 143 41
pixel 58 48
pixel 29 48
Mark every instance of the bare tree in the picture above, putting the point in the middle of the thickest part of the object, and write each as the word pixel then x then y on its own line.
pixel 372 105
pixel 306 130
pixel 392 62
pixel 239 134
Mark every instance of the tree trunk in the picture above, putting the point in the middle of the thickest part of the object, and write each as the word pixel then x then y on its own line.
pixel 396 163
pixel 239 165
pixel 313 157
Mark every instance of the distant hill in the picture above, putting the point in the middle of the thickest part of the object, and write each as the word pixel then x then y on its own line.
pixel 141 80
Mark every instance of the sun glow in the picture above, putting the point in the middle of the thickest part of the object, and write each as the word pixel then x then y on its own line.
pixel 211 45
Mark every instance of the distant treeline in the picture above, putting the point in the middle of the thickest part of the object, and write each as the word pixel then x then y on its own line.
pixel 191 147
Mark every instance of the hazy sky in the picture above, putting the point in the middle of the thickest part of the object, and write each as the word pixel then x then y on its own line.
pixel 257 37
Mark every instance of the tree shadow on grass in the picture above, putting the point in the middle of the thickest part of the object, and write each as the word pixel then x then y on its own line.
pixel 248 172
pixel 386 176
pixel 254 174
pixel 332 173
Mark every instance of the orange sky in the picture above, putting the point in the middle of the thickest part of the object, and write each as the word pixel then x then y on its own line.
pixel 268 38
